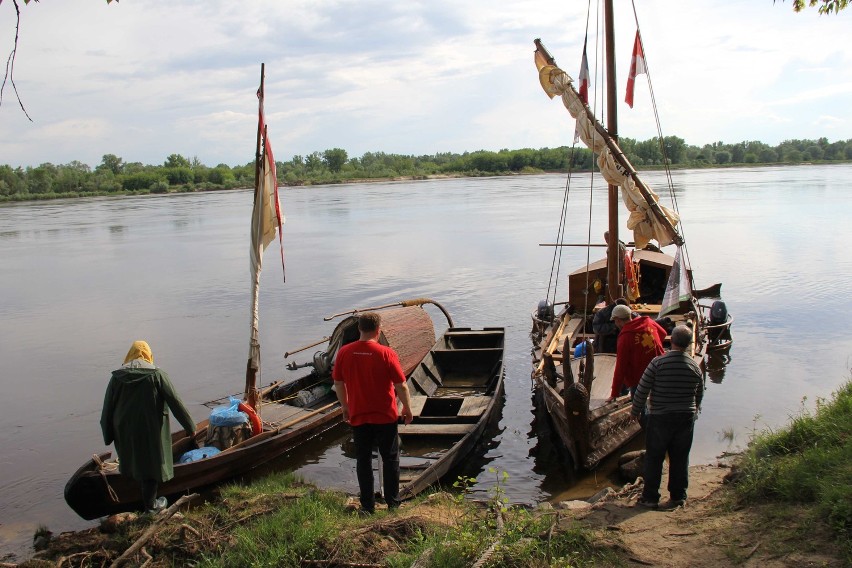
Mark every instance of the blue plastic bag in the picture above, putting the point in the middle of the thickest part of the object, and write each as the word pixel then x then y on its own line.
pixel 199 454
pixel 580 350
pixel 228 415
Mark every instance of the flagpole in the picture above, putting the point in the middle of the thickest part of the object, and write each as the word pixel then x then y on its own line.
pixel 254 344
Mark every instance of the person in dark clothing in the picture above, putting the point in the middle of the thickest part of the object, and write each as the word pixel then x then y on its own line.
pixel 606 331
pixel 368 379
pixel 673 386
pixel 136 417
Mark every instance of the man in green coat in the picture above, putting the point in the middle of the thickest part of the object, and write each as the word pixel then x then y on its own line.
pixel 136 417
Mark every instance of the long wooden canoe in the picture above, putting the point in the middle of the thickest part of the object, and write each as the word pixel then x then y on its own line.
pixel 97 488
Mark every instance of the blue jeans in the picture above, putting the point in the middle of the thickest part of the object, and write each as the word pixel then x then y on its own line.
pixel 672 434
pixel 386 437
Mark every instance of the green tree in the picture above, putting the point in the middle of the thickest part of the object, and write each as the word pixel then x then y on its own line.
pixel 40 179
pixel 112 163
pixel 72 177
pixel 723 157
pixel 334 159
pixel 313 162
pixel 134 168
pixel 814 152
pixel 11 181
pixel 176 161
pixel 674 148
pixel 825 6
pixel 221 175
pixel 649 151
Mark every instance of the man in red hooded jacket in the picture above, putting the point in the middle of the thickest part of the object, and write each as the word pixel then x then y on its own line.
pixel 640 339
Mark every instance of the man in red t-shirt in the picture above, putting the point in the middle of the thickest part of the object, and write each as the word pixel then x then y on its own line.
pixel 368 379
pixel 640 339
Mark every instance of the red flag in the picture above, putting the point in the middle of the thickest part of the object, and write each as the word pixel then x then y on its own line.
pixel 637 67
pixel 582 86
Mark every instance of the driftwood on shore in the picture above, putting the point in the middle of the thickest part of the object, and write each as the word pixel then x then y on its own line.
pixel 152 530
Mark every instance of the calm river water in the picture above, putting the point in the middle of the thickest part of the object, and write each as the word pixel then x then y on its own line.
pixel 81 279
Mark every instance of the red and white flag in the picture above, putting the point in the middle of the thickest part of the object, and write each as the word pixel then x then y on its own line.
pixel 267 217
pixel 582 86
pixel 637 67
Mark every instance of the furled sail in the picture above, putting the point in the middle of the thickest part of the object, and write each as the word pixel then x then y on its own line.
pixel 644 221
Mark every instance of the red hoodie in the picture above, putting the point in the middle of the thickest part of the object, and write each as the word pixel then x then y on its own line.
pixel 639 341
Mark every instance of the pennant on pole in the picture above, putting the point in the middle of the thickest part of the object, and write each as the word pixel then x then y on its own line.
pixel 582 87
pixel 270 214
pixel 678 288
pixel 637 67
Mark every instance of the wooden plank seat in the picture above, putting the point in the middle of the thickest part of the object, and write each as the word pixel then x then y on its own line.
pixel 474 405
pixel 435 429
pixel 417 403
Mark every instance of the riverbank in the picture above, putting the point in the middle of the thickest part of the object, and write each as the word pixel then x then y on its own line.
pixel 782 502
pixel 280 521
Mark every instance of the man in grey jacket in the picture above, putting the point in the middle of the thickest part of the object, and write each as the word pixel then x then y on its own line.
pixel 673 386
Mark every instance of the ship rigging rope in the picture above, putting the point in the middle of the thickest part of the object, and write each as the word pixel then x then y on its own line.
pixel 668 172
pixel 556 263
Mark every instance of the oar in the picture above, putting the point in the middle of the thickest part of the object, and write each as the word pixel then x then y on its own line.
pixel 314 344
pixel 305 417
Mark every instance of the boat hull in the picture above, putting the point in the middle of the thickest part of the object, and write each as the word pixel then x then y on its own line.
pixel 456 391
pixel 98 489
pixel 591 428
pixel 88 491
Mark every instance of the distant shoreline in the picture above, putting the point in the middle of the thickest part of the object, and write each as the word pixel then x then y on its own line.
pixel 18 198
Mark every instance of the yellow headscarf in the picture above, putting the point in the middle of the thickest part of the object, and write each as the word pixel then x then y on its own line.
pixel 139 350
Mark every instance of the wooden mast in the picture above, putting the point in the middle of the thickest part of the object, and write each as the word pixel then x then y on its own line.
pixel 251 368
pixel 614 288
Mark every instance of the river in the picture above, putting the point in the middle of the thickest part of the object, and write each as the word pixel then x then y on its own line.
pixel 81 279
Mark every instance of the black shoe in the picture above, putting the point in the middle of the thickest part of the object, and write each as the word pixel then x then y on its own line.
pixel 675 503
pixel 647 503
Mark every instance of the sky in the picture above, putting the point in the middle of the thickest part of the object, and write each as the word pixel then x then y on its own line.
pixel 143 79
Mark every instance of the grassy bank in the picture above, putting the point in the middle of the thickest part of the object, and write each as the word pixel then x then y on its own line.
pixel 805 470
pixel 280 521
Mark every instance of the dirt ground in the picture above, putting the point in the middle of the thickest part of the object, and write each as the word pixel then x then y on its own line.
pixel 708 531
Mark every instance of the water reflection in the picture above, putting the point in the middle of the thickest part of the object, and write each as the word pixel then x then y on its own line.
pixel 715 365
pixel 561 480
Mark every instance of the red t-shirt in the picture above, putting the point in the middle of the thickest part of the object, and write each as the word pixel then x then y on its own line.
pixel 639 341
pixel 369 371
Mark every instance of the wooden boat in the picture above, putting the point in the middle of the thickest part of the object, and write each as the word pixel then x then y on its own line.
pixel 456 390
pixel 98 489
pixel 288 412
pixel 575 389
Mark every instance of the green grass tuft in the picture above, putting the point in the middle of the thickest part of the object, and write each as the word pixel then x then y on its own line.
pixel 808 462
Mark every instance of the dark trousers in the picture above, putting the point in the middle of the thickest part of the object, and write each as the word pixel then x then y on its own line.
pixel 672 434
pixel 149 493
pixel 385 436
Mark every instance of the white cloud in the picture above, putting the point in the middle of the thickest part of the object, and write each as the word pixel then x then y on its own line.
pixel 144 80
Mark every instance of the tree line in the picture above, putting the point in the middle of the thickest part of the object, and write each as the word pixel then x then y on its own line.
pixel 178 173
